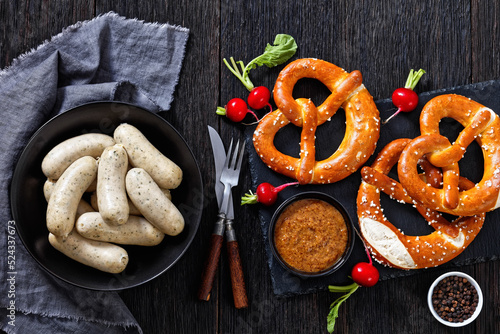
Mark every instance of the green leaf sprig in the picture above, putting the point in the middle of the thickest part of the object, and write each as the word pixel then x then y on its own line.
pixel 283 49
pixel 334 307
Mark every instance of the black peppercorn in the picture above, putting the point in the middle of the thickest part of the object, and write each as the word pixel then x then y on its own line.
pixel 459 300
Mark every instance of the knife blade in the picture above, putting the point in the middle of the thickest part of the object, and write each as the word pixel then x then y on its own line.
pixel 219 154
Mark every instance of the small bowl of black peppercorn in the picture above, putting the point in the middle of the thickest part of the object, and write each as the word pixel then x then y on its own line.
pixel 455 299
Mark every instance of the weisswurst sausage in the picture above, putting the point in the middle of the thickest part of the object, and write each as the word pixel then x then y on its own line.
pixel 65 153
pixel 136 231
pixel 143 154
pixel 67 193
pixel 83 206
pixel 100 255
pixel 152 202
pixel 111 194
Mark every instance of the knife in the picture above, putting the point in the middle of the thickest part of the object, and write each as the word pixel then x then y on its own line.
pixel 212 262
pixel 223 223
pixel 219 157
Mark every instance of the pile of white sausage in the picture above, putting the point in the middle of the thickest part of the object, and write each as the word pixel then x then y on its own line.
pixel 129 180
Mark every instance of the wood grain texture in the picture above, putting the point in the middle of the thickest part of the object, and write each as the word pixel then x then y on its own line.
pixel 455 41
pixel 210 267
pixel 237 276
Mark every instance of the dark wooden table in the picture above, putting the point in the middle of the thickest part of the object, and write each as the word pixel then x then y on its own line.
pixel 456 41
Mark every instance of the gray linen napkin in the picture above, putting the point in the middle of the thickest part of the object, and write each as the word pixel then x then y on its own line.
pixel 108 58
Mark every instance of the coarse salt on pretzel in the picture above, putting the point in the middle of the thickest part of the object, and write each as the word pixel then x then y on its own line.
pixel 480 124
pixel 348 92
pixel 388 244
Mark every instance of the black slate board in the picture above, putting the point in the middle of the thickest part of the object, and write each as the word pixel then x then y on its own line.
pixel 485 247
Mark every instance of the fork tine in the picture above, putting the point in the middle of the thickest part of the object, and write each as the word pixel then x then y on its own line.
pixel 235 155
pixel 240 159
pixel 228 156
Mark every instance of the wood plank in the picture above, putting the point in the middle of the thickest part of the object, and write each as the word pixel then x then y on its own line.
pixel 25 25
pixel 485 45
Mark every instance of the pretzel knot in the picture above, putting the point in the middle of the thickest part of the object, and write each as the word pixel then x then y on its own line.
pixel 480 124
pixel 348 92
pixel 389 244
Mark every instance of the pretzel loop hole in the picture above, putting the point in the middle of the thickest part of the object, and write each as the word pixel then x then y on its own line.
pixel 415 151
pixel 455 152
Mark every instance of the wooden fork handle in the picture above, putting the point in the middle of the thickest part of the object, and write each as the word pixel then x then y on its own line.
pixel 212 262
pixel 237 278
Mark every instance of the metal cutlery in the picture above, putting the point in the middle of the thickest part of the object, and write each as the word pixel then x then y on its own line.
pixel 228 167
pixel 229 177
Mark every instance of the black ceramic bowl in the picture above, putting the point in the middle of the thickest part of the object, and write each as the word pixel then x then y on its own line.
pixel 350 233
pixel 29 206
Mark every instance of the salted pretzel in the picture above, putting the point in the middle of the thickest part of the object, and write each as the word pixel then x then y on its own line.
pixel 388 244
pixel 348 92
pixel 480 124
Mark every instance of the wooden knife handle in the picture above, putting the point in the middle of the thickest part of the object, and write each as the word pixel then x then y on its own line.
pixel 237 278
pixel 212 262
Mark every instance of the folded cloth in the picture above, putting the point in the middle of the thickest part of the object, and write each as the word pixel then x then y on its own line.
pixel 109 58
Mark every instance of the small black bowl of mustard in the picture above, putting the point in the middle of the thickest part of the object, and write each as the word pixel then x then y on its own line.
pixel 311 234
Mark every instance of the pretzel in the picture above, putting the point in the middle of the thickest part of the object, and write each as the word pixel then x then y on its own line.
pixel 348 92
pixel 480 124
pixel 388 244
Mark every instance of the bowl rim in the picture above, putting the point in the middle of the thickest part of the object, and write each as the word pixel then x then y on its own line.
pixel 118 282
pixel 312 195
pixel 479 303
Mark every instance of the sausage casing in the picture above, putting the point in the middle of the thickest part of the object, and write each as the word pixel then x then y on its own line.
pixel 83 206
pixel 111 194
pixel 67 193
pixel 65 153
pixel 136 231
pixel 131 207
pixel 48 188
pixel 152 202
pixel 143 154
pixel 100 255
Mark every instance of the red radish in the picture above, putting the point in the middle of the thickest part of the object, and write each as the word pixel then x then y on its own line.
pixel 259 98
pixel 405 97
pixel 365 273
pixel 236 110
pixel 266 194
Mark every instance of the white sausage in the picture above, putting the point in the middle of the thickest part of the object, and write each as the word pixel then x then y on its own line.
pixel 48 188
pixel 131 207
pixel 152 202
pixel 97 254
pixel 67 152
pixel 92 187
pixel 67 193
pixel 83 206
pixel 143 154
pixel 111 194
pixel 167 193
pixel 136 231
